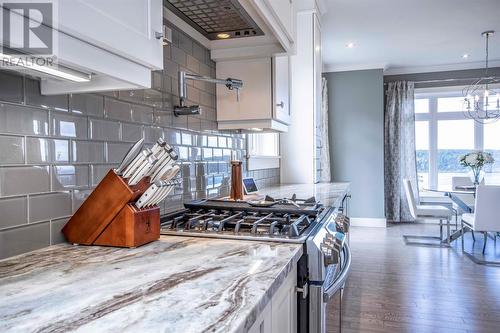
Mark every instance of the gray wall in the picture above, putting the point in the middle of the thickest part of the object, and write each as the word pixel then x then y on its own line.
pixel 356 129
pixel 55 149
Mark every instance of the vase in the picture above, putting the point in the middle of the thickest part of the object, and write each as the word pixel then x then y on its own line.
pixel 476 176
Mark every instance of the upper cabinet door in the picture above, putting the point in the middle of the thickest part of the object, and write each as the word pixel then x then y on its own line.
pixel 124 27
pixel 255 96
pixel 284 12
pixel 280 17
pixel 281 91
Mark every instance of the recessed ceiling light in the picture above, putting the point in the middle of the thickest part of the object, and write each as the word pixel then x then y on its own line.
pixel 465 56
pixel 223 35
pixel 349 45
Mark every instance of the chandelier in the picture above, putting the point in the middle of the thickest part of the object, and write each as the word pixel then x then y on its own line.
pixel 482 98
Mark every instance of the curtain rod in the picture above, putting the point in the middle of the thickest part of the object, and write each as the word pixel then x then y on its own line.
pixel 446 80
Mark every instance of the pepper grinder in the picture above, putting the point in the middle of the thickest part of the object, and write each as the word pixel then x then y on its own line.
pixel 236 180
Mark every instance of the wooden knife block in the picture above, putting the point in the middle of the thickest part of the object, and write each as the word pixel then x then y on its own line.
pixel 108 216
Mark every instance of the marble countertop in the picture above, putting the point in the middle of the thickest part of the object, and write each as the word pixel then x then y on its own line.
pixel 177 284
pixel 330 194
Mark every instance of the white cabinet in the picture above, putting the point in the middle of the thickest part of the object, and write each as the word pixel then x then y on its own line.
pixel 280 314
pixel 298 146
pixel 124 27
pixel 263 322
pixel 281 88
pixel 265 84
pixel 99 45
pixel 279 16
pixel 284 306
pixel 284 13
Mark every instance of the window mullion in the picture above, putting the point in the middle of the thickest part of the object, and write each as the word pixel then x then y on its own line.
pixel 433 149
pixel 478 136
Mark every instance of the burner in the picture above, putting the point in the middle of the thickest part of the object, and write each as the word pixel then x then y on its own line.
pixel 288 219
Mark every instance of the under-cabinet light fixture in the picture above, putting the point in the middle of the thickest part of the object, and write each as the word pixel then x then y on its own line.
pixel 67 74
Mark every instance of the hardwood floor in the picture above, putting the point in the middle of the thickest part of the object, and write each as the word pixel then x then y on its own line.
pixel 398 288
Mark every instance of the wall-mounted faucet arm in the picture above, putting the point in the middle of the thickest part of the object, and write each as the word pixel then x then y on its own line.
pixel 183 76
pixel 183 109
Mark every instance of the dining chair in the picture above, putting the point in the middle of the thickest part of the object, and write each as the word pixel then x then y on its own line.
pixel 486 218
pixel 458 181
pixel 468 199
pixel 432 212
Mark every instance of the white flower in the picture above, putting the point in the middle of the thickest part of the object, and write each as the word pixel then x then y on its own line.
pixel 489 159
pixel 471 159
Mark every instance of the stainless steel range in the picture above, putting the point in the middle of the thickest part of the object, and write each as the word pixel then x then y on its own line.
pixel 323 231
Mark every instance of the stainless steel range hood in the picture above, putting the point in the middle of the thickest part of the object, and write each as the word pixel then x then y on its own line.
pixel 215 19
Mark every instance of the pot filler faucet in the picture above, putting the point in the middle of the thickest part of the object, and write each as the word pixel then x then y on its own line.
pixel 184 110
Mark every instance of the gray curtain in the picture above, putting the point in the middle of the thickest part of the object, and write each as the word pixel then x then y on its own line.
pixel 400 155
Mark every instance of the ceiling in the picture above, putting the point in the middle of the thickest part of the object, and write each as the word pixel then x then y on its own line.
pixel 409 36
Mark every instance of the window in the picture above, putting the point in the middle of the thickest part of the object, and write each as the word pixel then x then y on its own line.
pixel 443 133
pixel 263 144
pixel 263 151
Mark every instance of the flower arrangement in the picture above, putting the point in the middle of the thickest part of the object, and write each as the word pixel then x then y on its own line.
pixel 476 161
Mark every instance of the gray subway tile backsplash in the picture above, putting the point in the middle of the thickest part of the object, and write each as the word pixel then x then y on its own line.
pixel 105 130
pixel 23 239
pixel 88 152
pixel 11 149
pixel 87 104
pixel 66 125
pixel 11 87
pixel 49 206
pixel 66 177
pixel 48 166
pixel 14 211
pixel 19 119
pixel 18 180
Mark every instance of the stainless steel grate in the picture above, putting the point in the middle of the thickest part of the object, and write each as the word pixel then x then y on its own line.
pixel 212 17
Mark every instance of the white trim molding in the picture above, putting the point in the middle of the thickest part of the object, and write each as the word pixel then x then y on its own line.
pixel 368 222
pixel 327 68
pixel 439 68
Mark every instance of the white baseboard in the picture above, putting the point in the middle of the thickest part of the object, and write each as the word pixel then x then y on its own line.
pixel 368 222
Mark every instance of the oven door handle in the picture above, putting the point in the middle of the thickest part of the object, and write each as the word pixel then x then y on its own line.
pixel 340 280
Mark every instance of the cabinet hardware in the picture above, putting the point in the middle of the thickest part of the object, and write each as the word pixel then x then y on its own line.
pixel 281 105
pixel 304 290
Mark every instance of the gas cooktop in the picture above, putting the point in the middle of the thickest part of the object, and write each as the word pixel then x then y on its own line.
pixel 286 220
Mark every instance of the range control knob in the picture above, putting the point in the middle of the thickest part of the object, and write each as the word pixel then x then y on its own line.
pixel 342 223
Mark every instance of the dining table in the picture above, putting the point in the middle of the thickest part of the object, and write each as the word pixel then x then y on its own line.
pixel 462 196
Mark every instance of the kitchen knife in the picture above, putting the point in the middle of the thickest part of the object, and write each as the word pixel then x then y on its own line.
pixel 162 157
pixel 144 171
pixel 158 146
pixel 165 181
pixel 146 196
pixel 167 172
pixel 170 173
pixel 172 158
pixel 130 156
pixel 136 163
pixel 163 194
pixel 157 194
